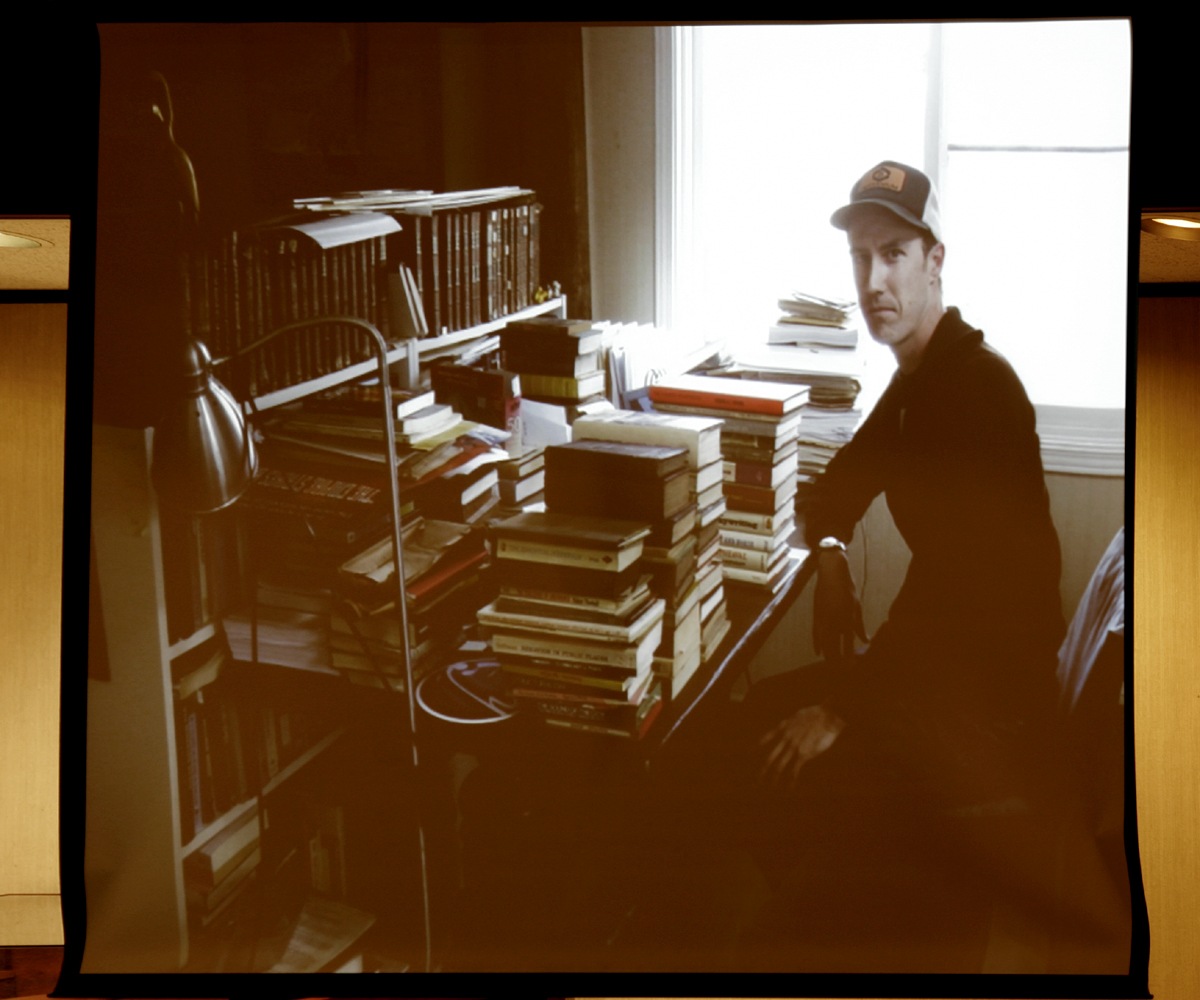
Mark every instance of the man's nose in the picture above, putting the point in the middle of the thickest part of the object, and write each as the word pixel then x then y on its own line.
pixel 877 275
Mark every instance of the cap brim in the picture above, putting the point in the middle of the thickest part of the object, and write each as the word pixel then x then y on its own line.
pixel 841 218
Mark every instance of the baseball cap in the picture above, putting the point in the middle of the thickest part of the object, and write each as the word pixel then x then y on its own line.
pixel 899 188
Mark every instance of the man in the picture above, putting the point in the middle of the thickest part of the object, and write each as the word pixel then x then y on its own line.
pixel 945 713
pixel 952 444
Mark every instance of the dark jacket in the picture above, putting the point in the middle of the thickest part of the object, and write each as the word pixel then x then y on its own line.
pixel 954 448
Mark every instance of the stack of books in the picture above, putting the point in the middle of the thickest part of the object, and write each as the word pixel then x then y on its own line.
pixel 486 396
pixel 444 578
pixel 444 465
pixel 575 625
pixel 829 418
pixel 758 445
pixel 700 601
pixel 217 871
pixel 347 423
pixel 811 321
pixel 466 493
pixel 522 482
pixel 559 360
pixel 345 620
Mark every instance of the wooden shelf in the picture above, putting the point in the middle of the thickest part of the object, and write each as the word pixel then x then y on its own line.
pixel 216 826
pixel 202 634
pixel 401 353
pixel 310 754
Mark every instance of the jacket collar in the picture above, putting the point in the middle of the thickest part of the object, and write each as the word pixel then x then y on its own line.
pixel 950 337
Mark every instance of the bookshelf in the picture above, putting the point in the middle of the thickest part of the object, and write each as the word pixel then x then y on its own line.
pixel 408 352
pixel 140 918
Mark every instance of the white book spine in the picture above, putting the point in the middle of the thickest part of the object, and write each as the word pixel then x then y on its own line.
pixel 624 633
pixel 750 559
pixel 564 555
pixel 551 648
pixel 693 433
pixel 753 540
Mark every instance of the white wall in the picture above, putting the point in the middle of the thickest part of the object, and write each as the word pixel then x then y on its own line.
pixel 618 66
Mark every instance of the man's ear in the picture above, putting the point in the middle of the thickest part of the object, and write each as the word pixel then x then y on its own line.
pixel 937 256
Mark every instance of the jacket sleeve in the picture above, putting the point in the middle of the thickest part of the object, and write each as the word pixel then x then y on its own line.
pixel 854 476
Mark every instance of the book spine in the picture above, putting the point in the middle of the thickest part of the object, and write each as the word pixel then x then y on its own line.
pixel 748 475
pixel 615 716
pixel 535 250
pixel 522 225
pixel 571 674
pixel 761 499
pixel 753 559
pixel 639 433
pixel 561 386
pixel 592 727
pixel 525 644
pixel 750 522
pixel 533 688
pixel 564 626
pixel 189 823
pixel 557 555
pixel 419 268
pixel 435 266
pixel 747 540
pixel 582 601
pixel 453 284
pixel 741 574
pixel 715 400
pixel 491 303
pixel 477 316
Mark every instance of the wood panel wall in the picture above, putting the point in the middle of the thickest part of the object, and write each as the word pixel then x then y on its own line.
pixel 1166 638
pixel 33 340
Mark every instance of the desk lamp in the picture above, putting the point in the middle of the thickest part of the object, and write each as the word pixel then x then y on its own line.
pixel 204 460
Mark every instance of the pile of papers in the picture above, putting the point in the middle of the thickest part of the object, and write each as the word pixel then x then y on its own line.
pixel 809 320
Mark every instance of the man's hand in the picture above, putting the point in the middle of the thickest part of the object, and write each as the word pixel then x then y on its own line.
pixel 798 739
pixel 837 614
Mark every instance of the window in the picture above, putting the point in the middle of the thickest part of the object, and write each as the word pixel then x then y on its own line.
pixel 1023 125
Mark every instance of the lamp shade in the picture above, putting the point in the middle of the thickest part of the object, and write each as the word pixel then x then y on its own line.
pixel 204 457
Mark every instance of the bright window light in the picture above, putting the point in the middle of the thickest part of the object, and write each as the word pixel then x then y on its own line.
pixel 1030 125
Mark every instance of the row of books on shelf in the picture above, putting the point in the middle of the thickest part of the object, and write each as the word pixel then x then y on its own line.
pixel 475 255
pixel 442 264
pixel 256 280
pixel 234 734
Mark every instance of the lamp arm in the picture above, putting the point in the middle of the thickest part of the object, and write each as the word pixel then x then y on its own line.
pixel 379 346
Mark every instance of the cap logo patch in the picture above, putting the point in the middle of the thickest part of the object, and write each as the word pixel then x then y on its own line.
pixel 891 178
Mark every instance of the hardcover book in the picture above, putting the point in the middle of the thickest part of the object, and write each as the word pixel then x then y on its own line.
pixel 552 337
pixel 700 435
pixel 737 395
pixel 632 631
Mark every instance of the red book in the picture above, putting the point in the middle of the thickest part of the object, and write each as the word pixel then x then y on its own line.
pixel 731 394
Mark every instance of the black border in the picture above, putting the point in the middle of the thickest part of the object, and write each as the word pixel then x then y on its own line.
pixel 68 128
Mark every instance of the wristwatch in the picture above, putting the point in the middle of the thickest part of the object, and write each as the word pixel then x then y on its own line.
pixel 830 542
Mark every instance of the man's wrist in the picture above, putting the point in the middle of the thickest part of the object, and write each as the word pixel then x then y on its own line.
pixel 831 544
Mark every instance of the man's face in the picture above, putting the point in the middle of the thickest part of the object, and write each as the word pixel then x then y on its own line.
pixel 897 282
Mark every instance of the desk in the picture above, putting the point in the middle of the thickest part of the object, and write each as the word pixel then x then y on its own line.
pixel 544 842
